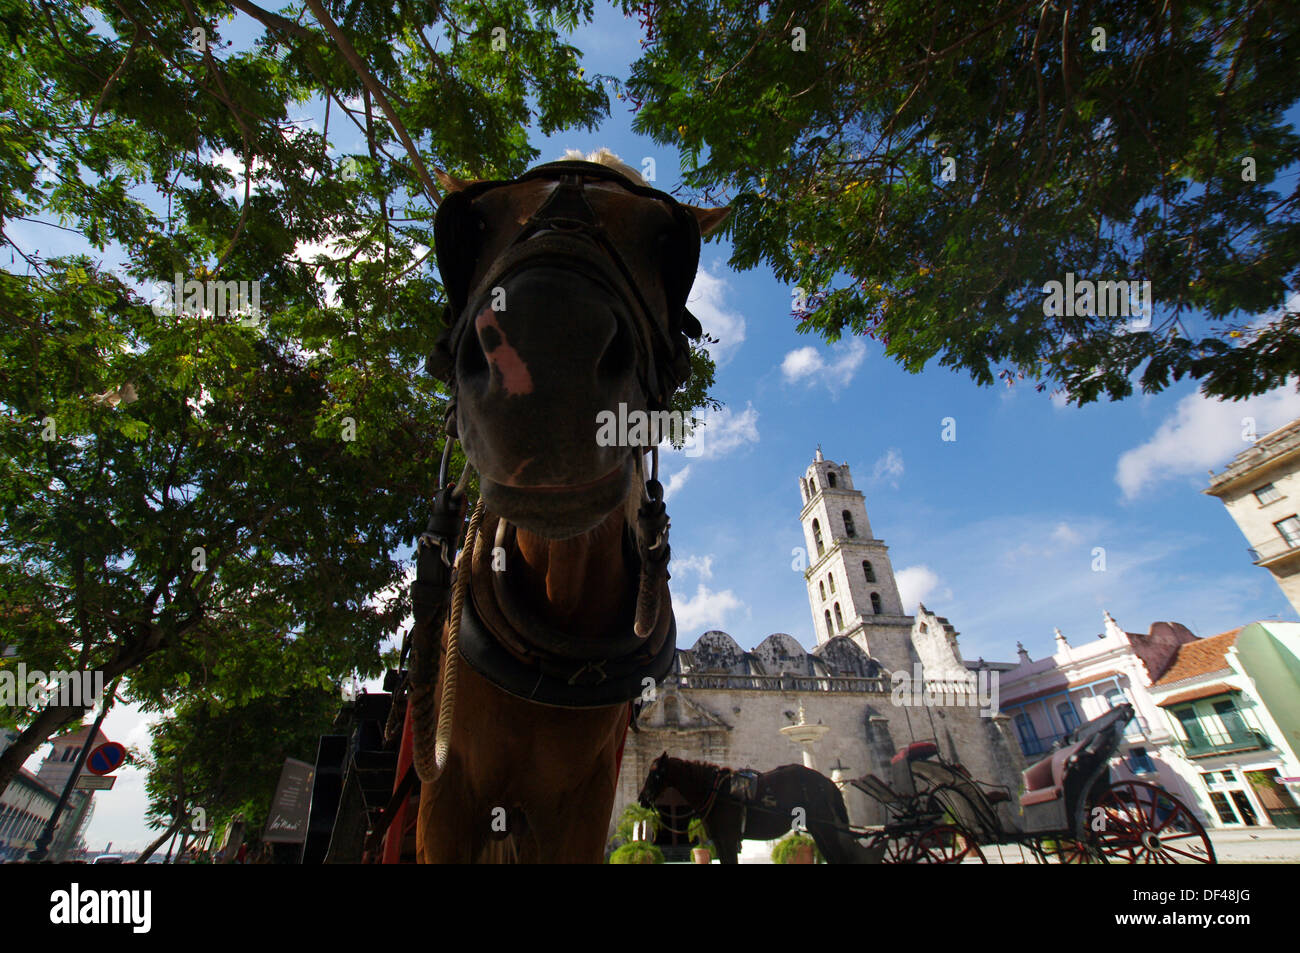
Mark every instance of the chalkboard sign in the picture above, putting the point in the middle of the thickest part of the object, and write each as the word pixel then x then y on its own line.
pixel 287 822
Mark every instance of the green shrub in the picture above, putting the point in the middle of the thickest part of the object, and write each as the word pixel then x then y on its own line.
pixel 783 852
pixel 635 853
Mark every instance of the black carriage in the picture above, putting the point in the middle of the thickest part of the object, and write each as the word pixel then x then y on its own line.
pixel 1071 811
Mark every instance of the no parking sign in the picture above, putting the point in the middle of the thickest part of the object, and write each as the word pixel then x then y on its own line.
pixel 107 758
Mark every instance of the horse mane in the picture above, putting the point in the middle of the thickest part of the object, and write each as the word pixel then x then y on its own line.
pixel 603 156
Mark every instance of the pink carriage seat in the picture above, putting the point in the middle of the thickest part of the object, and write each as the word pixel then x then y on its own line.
pixel 1045 779
pixel 916 751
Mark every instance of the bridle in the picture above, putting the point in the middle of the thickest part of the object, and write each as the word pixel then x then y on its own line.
pixel 663 352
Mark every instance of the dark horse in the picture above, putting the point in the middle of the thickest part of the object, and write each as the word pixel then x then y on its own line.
pixel 732 811
pixel 566 297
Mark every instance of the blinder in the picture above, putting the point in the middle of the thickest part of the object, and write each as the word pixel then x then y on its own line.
pixel 459 236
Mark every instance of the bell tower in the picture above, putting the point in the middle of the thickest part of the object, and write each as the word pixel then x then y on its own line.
pixel 850 581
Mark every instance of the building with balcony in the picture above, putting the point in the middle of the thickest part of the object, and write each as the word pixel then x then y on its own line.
pixel 1233 703
pixel 1049 697
pixel 1261 489
pixel 29 800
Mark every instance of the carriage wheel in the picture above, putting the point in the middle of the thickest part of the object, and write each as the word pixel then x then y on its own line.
pixel 898 849
pixel 1070 851
pixel 1144 824
pixel 945 844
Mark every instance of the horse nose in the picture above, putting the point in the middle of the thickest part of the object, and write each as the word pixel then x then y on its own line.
pixel 550 336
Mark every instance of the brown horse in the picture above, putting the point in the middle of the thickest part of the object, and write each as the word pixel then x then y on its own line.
pixel 761 807
pixel 567 291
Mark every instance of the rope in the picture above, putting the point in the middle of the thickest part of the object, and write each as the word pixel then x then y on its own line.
pixel 442 740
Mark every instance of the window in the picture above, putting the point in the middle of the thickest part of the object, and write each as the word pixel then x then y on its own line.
pixel 817 538
pixel 868 571
pixel 803 486
pixel 821 587
pixel 829 630
pixel 831 579
pixel 1289 528
pixel 1025 729
pixel 839 619
pixel 1114 697
pixel 875 603
pixel 1232 721
pixel 1267 494
pixel 830 479
pixel 1069 720
pixel 1139 762
pixel 848 524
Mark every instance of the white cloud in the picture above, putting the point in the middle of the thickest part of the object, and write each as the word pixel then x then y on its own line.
pixel 888 468
pixel 811 366
pixel 706 302
pixel 676 482
pixel 915 585
pixel 722 431
pixel 1065 535
pixel 1199 434
pixel 699 564
pixel 704 610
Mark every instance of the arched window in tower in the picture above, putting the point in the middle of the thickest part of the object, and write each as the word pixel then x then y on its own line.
pixel 875 603
pixel 839 619
pixel 803 485
pixel 829 630
pixel 817 538
pixel 830 479
pixel 821 587
pixel 868 571
pixel 849 530
pixel 831 577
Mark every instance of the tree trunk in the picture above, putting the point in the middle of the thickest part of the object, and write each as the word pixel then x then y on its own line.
pixel 46 724
pixel 170 831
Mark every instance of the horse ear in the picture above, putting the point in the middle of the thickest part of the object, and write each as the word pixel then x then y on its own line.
pixel 449 182
pixel 709 218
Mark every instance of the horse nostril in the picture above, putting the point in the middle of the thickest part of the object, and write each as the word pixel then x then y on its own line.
pixel 472 359
pixel 620 354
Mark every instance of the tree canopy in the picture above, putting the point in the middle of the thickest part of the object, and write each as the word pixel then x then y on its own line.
pixel 922 172
pixel 217 439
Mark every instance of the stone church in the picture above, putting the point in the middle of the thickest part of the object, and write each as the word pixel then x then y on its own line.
pixel 727 706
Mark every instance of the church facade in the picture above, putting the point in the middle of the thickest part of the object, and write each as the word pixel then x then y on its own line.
pixel 725 705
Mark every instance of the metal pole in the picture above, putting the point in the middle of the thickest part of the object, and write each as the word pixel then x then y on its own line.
pixel 37 853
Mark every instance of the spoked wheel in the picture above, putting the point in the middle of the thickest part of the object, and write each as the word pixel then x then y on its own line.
pixel 1143 824
pixel 1070 851
pixel 945 844
pixel 897 849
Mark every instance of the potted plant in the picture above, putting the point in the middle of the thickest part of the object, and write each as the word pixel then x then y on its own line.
pixel 704 852
pixel 796 848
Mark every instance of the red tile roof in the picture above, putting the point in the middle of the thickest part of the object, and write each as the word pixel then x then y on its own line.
pixel 1218 688
pixel 1202 657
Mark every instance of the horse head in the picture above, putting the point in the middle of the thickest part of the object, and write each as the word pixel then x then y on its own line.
pixel 566 295
pixel 654 782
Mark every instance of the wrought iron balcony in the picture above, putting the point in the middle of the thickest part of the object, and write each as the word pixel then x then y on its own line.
pixel 1220 743
pixel 1273 548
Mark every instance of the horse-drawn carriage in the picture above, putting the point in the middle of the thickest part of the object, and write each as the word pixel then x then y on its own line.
pixel 1070 810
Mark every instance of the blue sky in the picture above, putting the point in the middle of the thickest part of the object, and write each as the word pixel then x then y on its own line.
pixel 995 530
